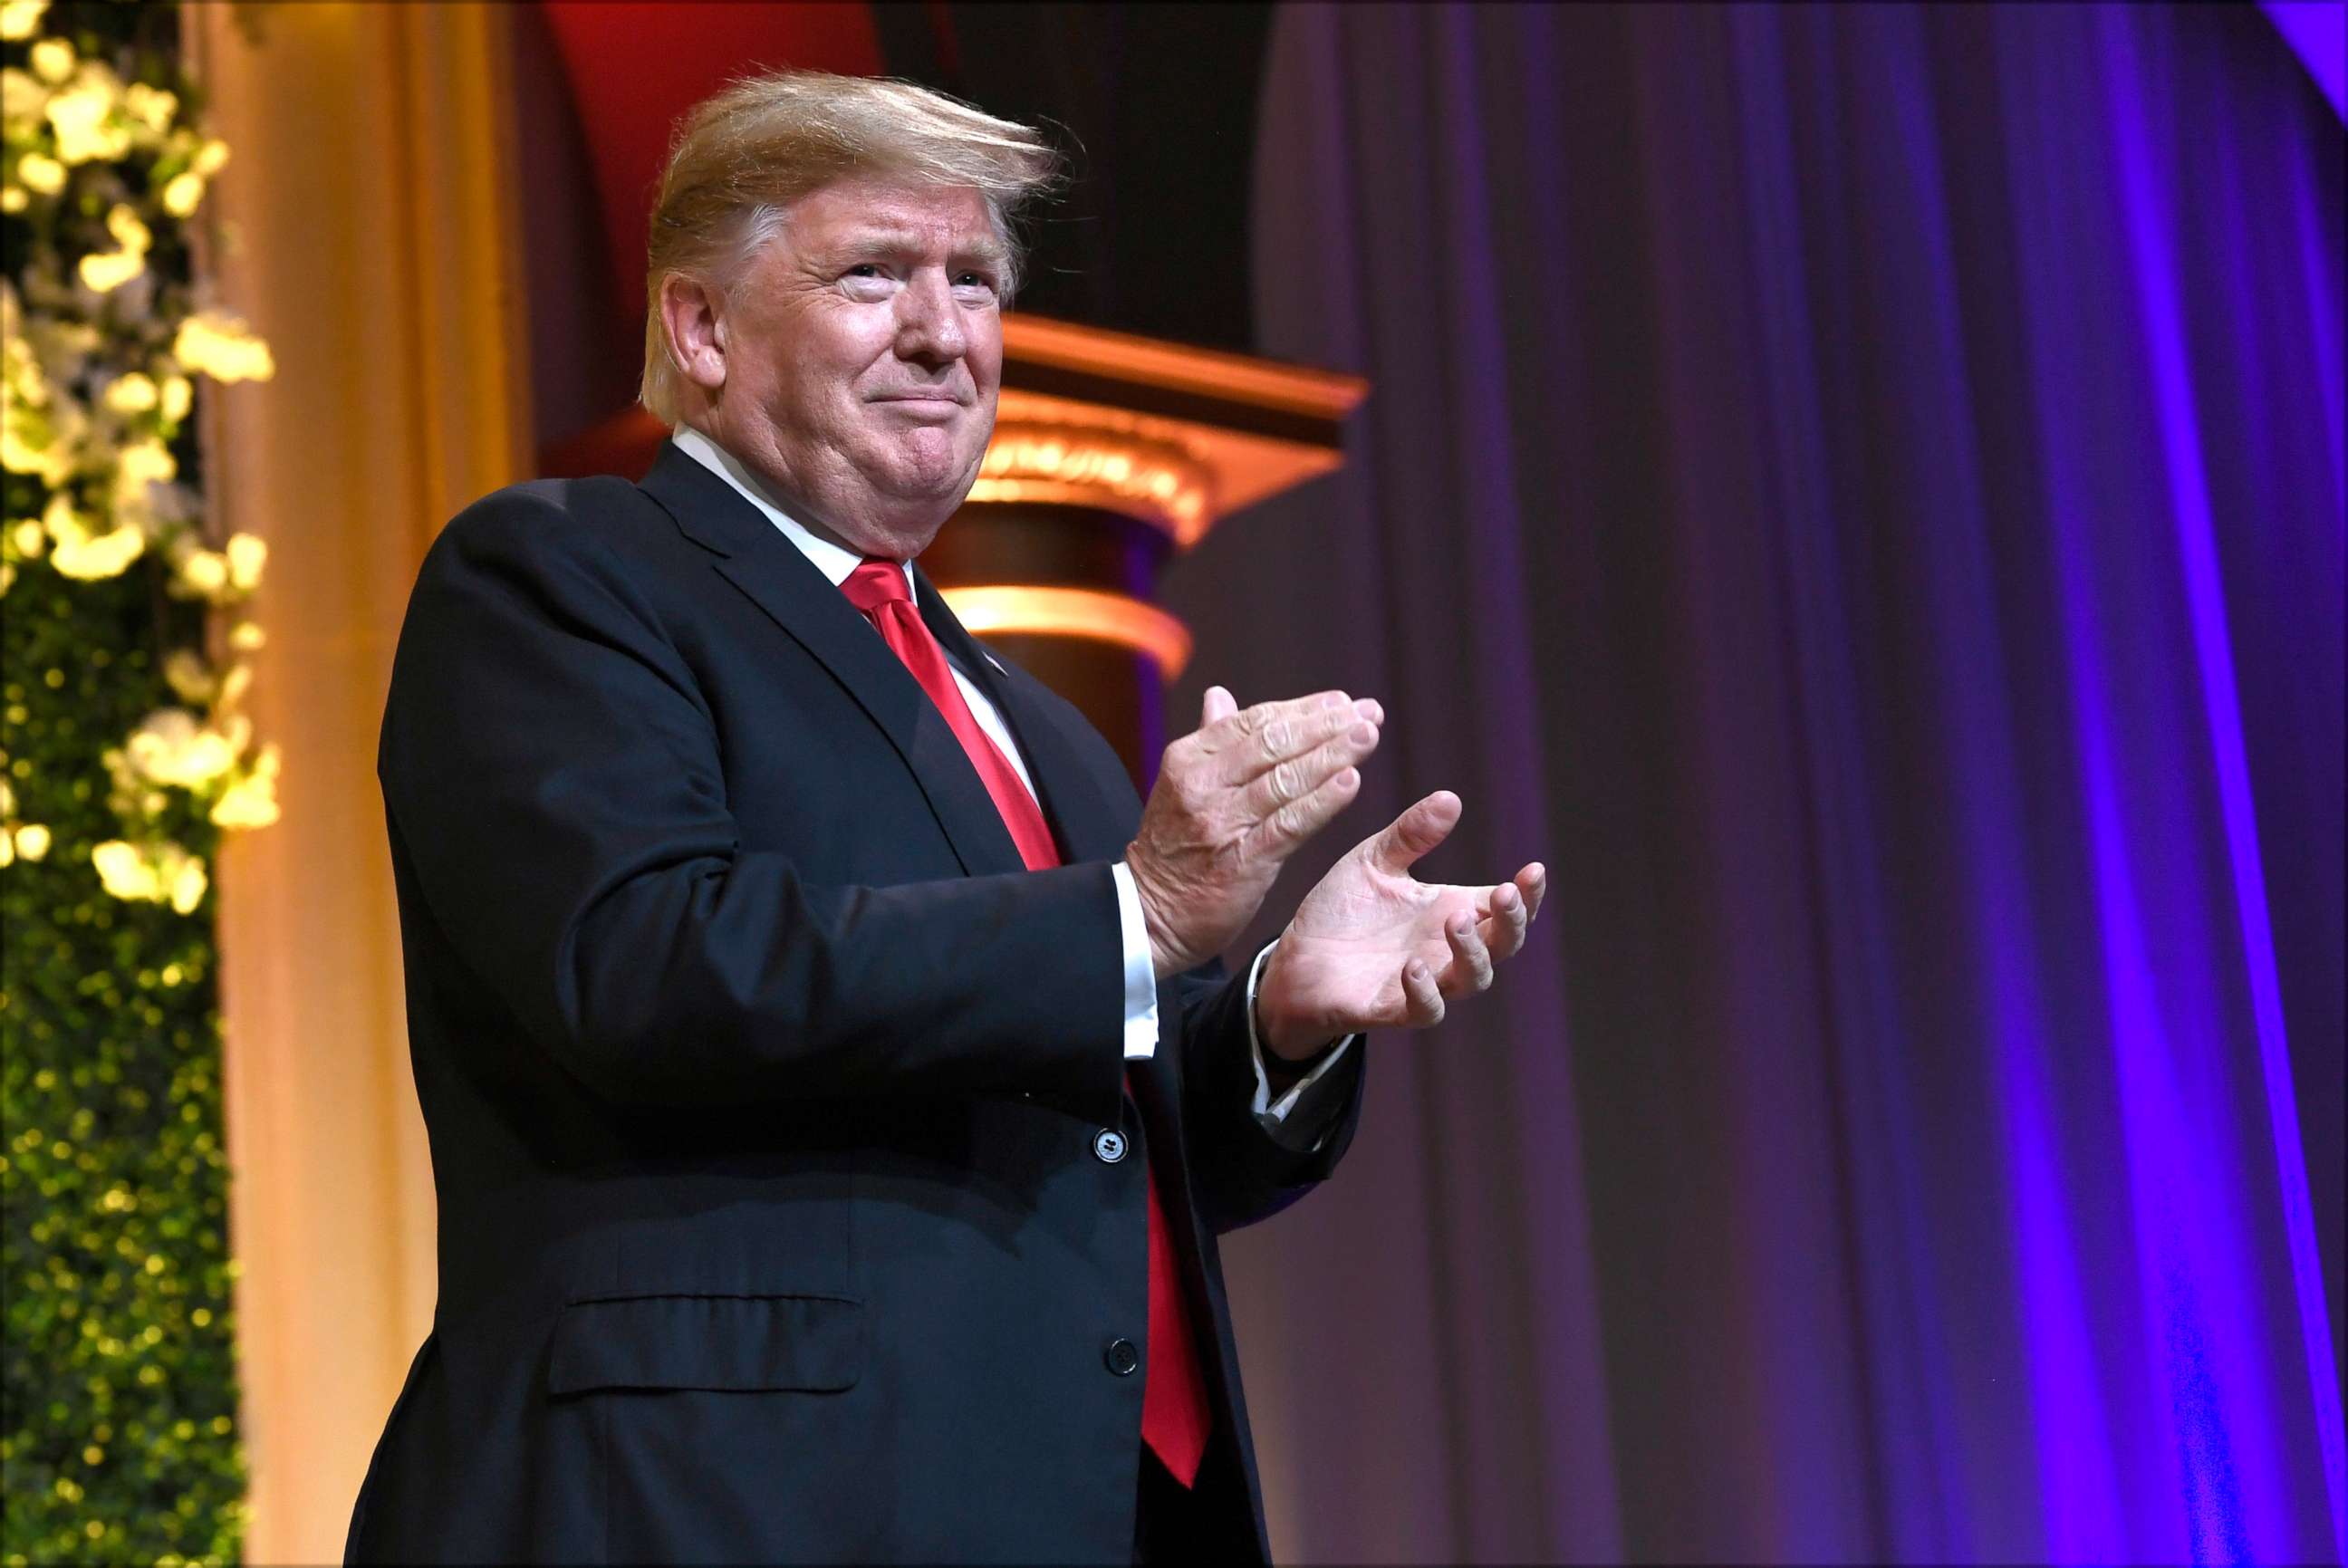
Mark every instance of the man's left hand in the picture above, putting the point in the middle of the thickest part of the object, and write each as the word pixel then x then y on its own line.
pixel 1373 947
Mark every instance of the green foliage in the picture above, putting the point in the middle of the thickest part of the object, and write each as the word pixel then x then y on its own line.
pixel 120 1441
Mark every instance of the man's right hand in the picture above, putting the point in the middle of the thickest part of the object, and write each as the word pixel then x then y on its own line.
pixel 1234 798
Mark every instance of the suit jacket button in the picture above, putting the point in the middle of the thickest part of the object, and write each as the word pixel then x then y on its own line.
pixel 1108 1145
pixel 1121 1358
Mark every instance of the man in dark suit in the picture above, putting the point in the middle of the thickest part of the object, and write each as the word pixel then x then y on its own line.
pixel 834 1094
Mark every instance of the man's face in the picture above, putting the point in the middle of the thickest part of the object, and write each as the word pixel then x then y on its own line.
pixel 863 353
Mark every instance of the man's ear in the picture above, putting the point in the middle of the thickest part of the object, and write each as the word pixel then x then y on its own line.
pixel 697 333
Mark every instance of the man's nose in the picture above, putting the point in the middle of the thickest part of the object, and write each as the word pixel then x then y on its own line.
pixel 929 325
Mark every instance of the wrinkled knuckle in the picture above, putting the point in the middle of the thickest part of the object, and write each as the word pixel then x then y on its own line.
pixel 1283 783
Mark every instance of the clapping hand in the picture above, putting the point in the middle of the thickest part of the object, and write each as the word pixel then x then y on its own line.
pixel 1371 947
pixel 1234 798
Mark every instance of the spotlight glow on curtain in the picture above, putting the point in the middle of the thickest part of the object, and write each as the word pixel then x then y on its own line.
pixel 1859 489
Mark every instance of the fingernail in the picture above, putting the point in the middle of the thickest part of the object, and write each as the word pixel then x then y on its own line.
pixel 1368 709
pixel 1334 699
pixel 1363 734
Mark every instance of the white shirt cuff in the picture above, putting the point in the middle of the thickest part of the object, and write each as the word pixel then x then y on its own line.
pixel 1140 972
pixel 1268 1110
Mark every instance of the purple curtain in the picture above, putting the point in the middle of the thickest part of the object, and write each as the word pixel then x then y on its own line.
pixel 1858 491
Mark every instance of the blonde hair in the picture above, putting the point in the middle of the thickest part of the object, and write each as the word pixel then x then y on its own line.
pixel 741 157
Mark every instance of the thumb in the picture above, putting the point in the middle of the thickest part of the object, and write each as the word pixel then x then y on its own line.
pixel 1220 704
pixel 1415 833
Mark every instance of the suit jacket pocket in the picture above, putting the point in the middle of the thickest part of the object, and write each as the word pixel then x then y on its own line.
pixel 722 1343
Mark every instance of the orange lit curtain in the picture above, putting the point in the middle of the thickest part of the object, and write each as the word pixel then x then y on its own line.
pixel 370 236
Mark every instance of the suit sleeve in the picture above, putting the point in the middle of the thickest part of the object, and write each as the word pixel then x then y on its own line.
pixel 553 782
pixel 1245 1173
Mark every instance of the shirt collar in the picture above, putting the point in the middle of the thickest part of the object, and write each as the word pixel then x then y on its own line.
pixel 834 561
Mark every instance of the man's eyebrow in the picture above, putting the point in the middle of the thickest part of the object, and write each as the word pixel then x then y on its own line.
pixel 898 240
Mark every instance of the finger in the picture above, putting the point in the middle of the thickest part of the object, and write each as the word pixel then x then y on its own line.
pixel 1219 705
pixel 1422 999
pixel 1296 776
pixel 1290 737
pixel 1505 932
pixel 1415 833
pixel 1279 834
pixel 1260 735
pixel 1533 883
pixel 1471 961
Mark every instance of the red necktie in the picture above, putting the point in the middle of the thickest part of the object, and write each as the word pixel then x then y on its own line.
pixel 1174 1414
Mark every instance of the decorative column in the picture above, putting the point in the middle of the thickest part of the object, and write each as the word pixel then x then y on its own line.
pixel 1111 453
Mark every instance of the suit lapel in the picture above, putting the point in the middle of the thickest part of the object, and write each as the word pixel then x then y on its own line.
pixel 1088 825
pixel 754 557
pixel 1085 822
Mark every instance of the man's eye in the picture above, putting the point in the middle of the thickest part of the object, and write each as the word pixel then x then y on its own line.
pixel 979 279
pixel 865 270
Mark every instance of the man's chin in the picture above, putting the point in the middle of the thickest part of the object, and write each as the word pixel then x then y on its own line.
pixel 910 515
pixel 922 482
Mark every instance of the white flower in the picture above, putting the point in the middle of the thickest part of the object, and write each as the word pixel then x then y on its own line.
pixel 139 467
pixel 223 348
pixel 151 106
pixel 21 99
pixel 204 572
pixel 133 393
pixel 19 17
pixel 172 748
pixel 154 874
pixel 247 552
pixel 100 556
pixel 38 171
pixel 82 117
pixel 53 60
pixel 184 193
pixel 107 271
pixel 251 800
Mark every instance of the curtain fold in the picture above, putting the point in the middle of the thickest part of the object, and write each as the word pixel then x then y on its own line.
pixel 370 235
pixel 1857 490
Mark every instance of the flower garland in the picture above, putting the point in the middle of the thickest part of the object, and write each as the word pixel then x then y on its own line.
pixel 101 346
pixel 124 758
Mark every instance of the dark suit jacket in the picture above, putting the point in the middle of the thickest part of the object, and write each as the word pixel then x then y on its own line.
pixel 763 1083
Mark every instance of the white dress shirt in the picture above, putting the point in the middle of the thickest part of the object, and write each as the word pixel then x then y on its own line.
pixel 836 562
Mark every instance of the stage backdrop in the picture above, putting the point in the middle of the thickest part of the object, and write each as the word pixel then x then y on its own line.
pixel 1858 489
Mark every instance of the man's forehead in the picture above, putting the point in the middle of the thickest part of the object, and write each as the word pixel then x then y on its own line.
pixel 866 212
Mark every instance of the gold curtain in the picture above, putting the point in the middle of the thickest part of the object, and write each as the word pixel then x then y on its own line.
pixel 369 232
